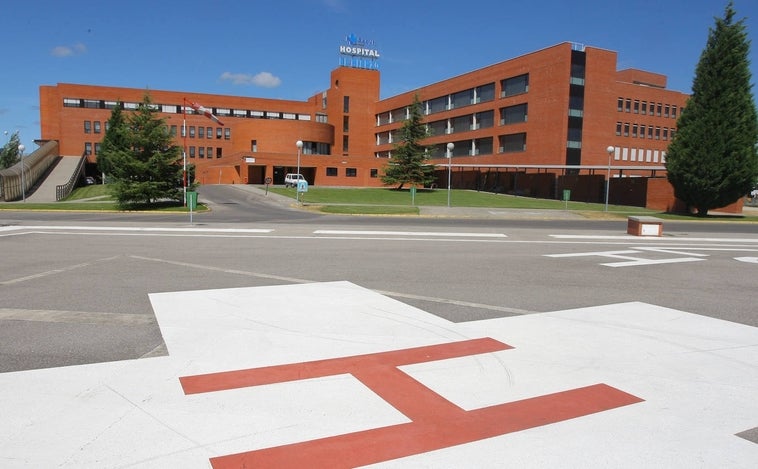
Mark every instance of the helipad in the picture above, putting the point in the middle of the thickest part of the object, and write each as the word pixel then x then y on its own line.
pixel 334 375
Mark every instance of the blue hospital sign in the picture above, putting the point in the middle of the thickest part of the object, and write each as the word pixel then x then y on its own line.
pixel 359 53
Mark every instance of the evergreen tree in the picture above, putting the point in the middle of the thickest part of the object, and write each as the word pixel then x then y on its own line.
pixel 409 157
pixel 137 150
pixel 9 152
pixel 712 160
pixel 114 141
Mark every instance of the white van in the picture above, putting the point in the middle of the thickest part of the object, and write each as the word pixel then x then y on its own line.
pixel 291 179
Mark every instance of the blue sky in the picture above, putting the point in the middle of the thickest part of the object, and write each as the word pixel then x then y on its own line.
pixel 286 49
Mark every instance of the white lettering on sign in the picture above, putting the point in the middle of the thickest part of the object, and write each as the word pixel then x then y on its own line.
pixel 359 51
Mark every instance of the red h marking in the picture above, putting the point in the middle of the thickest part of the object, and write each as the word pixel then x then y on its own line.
pixel 436 422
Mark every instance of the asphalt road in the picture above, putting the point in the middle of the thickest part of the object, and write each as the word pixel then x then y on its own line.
pixel 75 286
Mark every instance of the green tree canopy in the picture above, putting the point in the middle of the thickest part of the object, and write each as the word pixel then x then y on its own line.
pixel 9 152
pixel 408 164
pixel 712 160
pixel 138 154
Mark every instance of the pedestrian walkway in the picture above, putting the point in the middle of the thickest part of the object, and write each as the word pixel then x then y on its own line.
pixel 290 377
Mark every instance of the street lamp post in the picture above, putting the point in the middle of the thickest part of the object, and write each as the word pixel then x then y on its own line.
pixel 450 147
pixel 611 150
pixel 21 149
pixel 299 145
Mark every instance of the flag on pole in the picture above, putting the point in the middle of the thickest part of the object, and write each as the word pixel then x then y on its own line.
pixel 204 111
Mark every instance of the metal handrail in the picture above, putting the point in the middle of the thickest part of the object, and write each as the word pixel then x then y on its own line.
pixel 64 190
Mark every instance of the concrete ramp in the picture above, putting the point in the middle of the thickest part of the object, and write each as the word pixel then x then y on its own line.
pixel 59 175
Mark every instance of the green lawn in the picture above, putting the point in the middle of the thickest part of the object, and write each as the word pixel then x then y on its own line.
pixel 90 198
pixel 376 201
pixel 438 197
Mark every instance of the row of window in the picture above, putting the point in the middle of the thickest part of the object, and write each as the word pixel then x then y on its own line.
pixel 510 143
pixel 204 152
pixel 179 109
pixel 480 120
pixel 309 148
pixel 204 132
pixel 645 108
pixel 641 155
pixel 200 152
pixel 652 132
pixel 480 94
pixel 349 172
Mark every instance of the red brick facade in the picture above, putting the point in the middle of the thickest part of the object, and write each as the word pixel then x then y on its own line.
pixel 541 112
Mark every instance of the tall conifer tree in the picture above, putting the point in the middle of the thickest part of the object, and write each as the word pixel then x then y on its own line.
pixel 712 160
pixel 139 153
pixel 409 158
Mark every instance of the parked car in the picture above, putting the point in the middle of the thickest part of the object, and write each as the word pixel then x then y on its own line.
pixel 292 179
pixel 89 180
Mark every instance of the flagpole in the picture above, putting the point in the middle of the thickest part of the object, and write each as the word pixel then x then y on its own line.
pixel 184 151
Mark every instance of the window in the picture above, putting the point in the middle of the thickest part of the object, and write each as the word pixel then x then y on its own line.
pixel 97 148
pixel 658 110
pixel 201 152
pixel 227 133
pixel 666 110
pixel 88 148
pixel 351 172
pixel 437 105
pixel 192 131
pixel 172 129
pixel 192 152
pixel 628 105
pixel 97 127
pixel 485 119
pixel 219 132
pixel 69 102
pixel 650 132
pixel 635 128
pixel 626 129
pixel 397 115
pixel 345 143
pixel 91 104
pixel 374 173
pixel 345 123
pixel 673 112
pixel 209 152
pixel 331 172
pixel 219 152
pixel 346 104
pixel 642 130
pixel 618 128
pixel 254 146
pixel 321 118
pixel 515 85
pixel 665 133
pixel 512 143
pixel 620 105
pixel 462 98
pixel 485 93
pixel 87 127
pixel 657 133
pixel 513 114
pixel 636 107
pixel 643 111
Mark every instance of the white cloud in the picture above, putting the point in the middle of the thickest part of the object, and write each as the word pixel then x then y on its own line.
pixel 263 79
pixel 68 51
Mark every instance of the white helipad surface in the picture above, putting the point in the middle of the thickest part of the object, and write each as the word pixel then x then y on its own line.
pixel 672 389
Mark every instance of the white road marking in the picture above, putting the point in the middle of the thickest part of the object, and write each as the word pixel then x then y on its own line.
pixel 410 233
pixel 751 260
pixel 147 229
